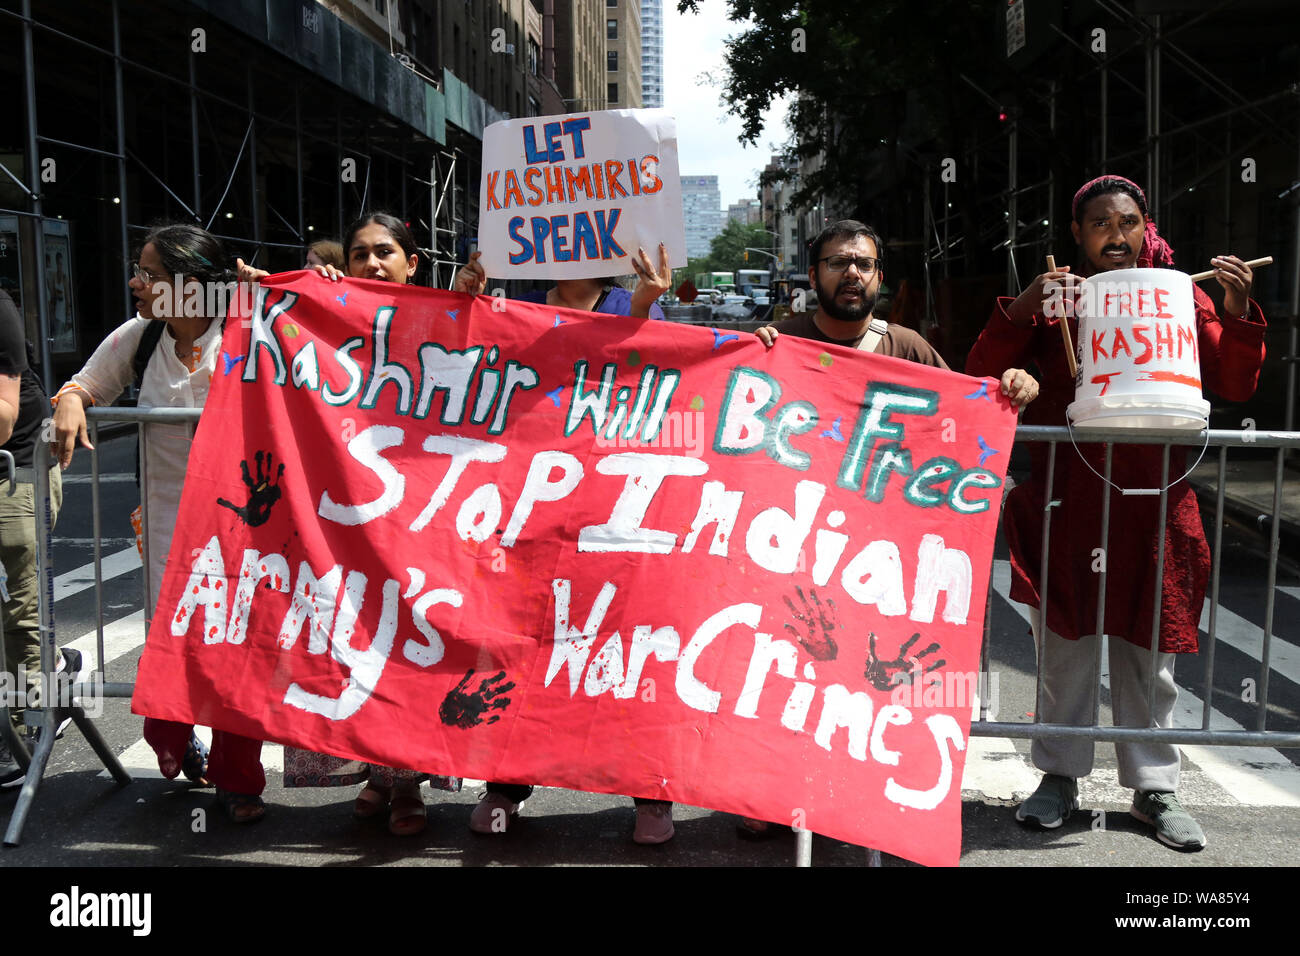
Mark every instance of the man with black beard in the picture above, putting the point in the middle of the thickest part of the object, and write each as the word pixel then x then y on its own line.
pixel 846 273
pixel 847 268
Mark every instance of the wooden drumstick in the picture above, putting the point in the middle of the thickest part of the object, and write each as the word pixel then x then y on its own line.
pixel 1252 264
pixel 1065 329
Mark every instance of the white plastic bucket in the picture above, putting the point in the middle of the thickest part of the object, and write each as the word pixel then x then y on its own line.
pixel 1138 353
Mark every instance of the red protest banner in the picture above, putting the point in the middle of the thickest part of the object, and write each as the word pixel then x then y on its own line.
pixel 521 544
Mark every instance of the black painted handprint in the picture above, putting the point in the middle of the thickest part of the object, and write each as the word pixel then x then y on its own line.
pixel 261 492
pixel 461 708
pixel 886 675
pixel 819 623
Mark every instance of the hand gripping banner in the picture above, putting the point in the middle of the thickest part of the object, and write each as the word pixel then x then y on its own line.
pixel 514 543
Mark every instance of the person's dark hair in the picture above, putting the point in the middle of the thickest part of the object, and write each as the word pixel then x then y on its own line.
pixel 329 252
pixel 1104 186
pixel 396 228
pixel 188 250
pixel 845 229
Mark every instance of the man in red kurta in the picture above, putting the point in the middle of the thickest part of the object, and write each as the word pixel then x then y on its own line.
pixel 1113 231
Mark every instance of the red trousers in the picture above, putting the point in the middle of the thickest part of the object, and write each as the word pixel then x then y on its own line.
pixel 234 763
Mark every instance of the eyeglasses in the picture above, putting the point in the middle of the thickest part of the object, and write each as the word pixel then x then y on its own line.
pixel 144 275
pixel 866 264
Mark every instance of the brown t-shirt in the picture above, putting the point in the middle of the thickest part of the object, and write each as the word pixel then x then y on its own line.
pixel 897 342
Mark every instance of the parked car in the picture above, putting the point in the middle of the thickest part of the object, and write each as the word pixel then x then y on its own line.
pixel 734 308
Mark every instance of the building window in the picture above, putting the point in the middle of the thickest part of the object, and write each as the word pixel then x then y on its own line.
pixel 611 29
pixel 379 6
pixel 611 92
pixel 611 3
pixel 534 56
pixel 611 61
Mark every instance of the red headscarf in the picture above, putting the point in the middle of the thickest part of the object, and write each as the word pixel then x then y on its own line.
pixel 1155 252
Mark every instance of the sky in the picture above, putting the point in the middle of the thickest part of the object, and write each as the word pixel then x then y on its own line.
pixel 707 137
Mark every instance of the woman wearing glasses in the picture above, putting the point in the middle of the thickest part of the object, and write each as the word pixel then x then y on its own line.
pixel 175 371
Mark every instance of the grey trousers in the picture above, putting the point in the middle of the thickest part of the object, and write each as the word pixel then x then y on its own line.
pixel 1069 690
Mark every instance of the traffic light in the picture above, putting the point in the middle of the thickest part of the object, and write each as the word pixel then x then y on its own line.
pixel 746 255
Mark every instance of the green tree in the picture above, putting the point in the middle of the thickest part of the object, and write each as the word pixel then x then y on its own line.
pixel 727 250
pixel 881 89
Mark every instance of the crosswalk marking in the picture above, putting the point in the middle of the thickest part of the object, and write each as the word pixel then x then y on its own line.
pixel 1234 630
pixel 120 637
pixel 79 579
pixel 996 769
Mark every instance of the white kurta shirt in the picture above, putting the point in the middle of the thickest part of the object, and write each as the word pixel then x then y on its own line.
pixel 167 383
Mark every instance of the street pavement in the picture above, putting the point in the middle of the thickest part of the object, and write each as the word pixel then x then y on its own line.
pixel 1247 799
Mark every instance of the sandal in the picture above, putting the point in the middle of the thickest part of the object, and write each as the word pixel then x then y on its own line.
pixel 370 802
pixel 407 815
pixel 195 763
pixel 241 807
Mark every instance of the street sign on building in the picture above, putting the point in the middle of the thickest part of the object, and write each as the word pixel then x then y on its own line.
pixel 1015 25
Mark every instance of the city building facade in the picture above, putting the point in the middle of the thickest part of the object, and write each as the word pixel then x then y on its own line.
pixel 623 54
pixel 652 53
pixel 270 123
pixel 746 212
pixel 580 29
pixel 702 211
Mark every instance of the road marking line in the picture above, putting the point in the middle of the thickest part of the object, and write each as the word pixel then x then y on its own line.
pixel 120 637
pixel 79 579
pixel 1235 631
pixel 996 769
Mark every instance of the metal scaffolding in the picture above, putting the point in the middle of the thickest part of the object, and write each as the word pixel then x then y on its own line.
pixel 268 158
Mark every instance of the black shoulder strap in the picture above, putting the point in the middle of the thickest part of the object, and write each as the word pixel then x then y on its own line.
pixel 144 351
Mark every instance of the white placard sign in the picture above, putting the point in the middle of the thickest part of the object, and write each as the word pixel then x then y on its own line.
pixel 574 196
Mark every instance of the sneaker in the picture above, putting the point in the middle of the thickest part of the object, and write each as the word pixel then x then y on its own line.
pixel 1051 804
pixel 11 771
pixel 1174 825
pixel 654 823
pixel 493 814
pixel 69 669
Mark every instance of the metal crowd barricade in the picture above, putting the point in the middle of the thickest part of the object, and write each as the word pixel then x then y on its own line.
pixel 1216 438
pixel 54 712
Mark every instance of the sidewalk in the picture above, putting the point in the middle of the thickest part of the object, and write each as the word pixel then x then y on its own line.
pixel 1248 498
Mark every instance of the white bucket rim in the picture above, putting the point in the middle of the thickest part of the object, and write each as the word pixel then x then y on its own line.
pixel 1102 412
